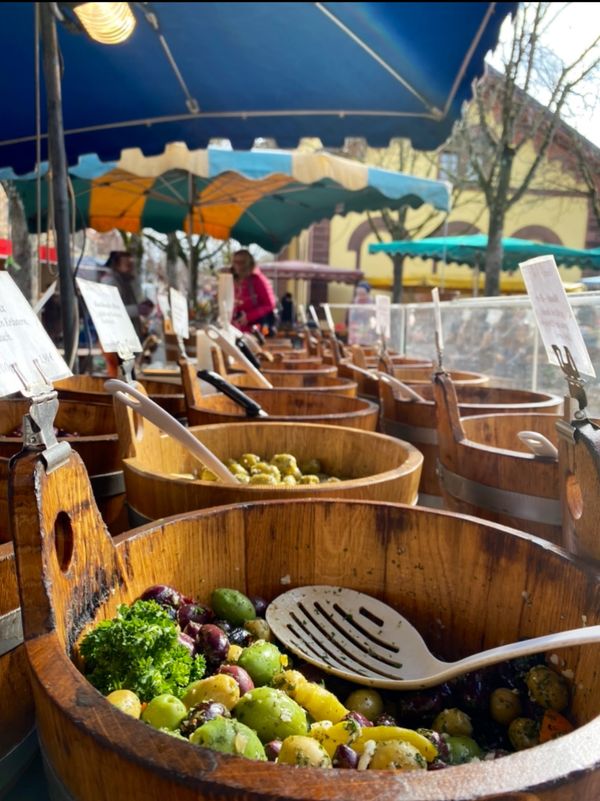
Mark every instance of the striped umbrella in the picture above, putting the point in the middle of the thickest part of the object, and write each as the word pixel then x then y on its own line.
pixel 260 196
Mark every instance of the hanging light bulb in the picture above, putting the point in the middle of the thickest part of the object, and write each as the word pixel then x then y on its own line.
pixel 107 23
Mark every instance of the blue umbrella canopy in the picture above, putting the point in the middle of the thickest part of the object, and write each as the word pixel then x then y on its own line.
pixel 261 196
pixel 196 71
pixel 471 250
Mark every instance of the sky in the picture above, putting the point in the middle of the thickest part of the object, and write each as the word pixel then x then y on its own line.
pixel 574 26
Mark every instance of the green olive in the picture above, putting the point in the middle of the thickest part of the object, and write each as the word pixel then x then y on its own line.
pixel 266 469
pixel 505 705
pixel 366 701
pixel 311 466
pixel 207 475
pixel 285 463
pixel 289 481
pixel 309 479
pixel 242 478
pixel 236 468
pixel 523 733
pixel 454 722
pixel 249 460
pixel 259 629
pixel 462 749
pixel 547 688
pixel 304 752
pixel 262 478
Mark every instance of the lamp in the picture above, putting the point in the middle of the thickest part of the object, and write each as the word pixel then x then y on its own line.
pixel 107 23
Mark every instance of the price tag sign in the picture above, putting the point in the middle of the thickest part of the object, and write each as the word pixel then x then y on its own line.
pixel 24 343
pixel 163 304
pixel 437 313
pixel 110 318
pixel 179 313
pixel 553 313
pixel 382 315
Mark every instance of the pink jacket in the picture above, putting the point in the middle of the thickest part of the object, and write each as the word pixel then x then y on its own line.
pixel 253 295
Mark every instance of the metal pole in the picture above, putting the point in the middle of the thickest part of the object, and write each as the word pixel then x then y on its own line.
pixel 58 162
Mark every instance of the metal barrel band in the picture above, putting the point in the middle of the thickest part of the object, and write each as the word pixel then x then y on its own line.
pixel 14 763
pixel 515 504
pixel 136 518
pixel 11 631
pixel 105 485
pixel 426 436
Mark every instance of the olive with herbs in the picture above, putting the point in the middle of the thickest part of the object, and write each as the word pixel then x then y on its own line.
pixel 547 688
pixel 505 705
pixel 523 733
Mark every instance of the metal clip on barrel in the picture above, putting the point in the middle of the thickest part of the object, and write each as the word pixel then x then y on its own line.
pixel 574 380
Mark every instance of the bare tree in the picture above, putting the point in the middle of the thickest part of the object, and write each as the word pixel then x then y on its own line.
pixel 20 266
pixel 503 118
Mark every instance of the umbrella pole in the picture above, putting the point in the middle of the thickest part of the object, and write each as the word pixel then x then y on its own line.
pixel 58 162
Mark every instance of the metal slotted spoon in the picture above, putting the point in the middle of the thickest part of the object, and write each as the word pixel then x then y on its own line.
pixel 359 638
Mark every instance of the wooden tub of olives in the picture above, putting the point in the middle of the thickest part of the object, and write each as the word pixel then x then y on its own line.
pixel 281 405
pixel 465 583
pixel 167 392
pixel 295 381
pixel 162 478
pixel 416 420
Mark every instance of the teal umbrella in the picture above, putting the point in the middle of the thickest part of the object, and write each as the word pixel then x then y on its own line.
pixel 471 250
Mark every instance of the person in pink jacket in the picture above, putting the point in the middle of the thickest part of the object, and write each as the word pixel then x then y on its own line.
pixel 255 301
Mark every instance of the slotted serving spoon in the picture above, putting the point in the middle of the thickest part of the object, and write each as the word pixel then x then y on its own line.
pixel 359 638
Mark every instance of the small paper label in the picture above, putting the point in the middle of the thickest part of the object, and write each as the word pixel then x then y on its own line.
pixel 109 315
pixel 382 315
pixel 437 313
pixel 179 313
pixel 24 343
pixel 226 293
pixel 553 312
pixel 163 304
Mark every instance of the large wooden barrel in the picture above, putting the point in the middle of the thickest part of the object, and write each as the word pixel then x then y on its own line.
pixel 167 392
pixel 485 470
pixel 371 466
pixel 301 406
pixel 416 421
pixel 298 367
pixel 368 385
pixel 18 741
pixel 422 375
pixel 91 430
pixel 294 381
pixel 466 584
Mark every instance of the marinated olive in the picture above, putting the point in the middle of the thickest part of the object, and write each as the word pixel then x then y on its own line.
pixel 505 705
pixel 163 595
pixel 304 752
pixel 271 713
pixel 523 733
pixel 345 757
pixel 454 722
pixel 312 466
pixel 220 688
pixel 385 720
pixel 366 701
pixel 259 629
pixel 249 460
pixel 263 478
pixel 232 605
pixel 266 469
pixel 397 755
pixel 262 660
pixel 285 463
pixel 213 643
pixel 229 737
pixel 309 479
pixel 200 714
pixel 240 636
pixel 196 613
pixel 242 677
pixel 462 749
pixel 547 688
pixel 260 604
pixel 236 468
pixel 164 712
pixel 207 475
pixel 272 750
pixel 126 701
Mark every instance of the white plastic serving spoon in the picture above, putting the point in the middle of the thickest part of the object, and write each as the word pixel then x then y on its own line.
pixel 146 407
pixel 364 640
pixel 538 444
pixel 401 388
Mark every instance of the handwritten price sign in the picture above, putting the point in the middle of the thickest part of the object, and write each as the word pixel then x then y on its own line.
pixel 553 312
pixel 24 343
pixel 111 321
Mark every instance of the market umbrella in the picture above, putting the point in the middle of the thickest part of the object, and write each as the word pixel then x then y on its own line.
pixel 197 71
pixel 261 196
pixel 471 250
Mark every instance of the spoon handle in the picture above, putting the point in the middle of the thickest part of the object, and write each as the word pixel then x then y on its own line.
pixel 143 405
pixel 562 639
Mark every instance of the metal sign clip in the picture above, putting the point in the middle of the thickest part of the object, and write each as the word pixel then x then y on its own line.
pixel 127 363
pixel 574 380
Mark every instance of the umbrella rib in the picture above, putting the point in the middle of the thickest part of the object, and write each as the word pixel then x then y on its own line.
pixel 437 113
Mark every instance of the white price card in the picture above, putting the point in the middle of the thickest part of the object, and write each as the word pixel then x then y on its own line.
pixel 163 304
pixel 382 315
pixel 226 291
pixel 24 344
pixel 553 312
pixel 302 314
pixel 109 315
pixel 437 314
pixel 179 313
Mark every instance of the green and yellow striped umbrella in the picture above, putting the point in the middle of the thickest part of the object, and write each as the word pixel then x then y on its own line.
pixel 260 196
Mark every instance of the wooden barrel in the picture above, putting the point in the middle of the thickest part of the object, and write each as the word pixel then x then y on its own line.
pixel 86 388
pixel 324 369
pixel 294 381
pixel 466 584
pixel 301 406
pixel 371 466
pixel 18 741
pixel 485 470
pixel 416 421
pixel 422 375
pixel 91 430
pixel 368 385
pixel 399 361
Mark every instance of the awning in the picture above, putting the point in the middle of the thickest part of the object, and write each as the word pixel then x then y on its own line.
pixel 239 71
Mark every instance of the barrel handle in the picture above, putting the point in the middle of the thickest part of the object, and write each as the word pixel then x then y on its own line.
pixel 142 404
pixel 448 415
pixel 538 444
pixel 400 388
pixel 236 354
